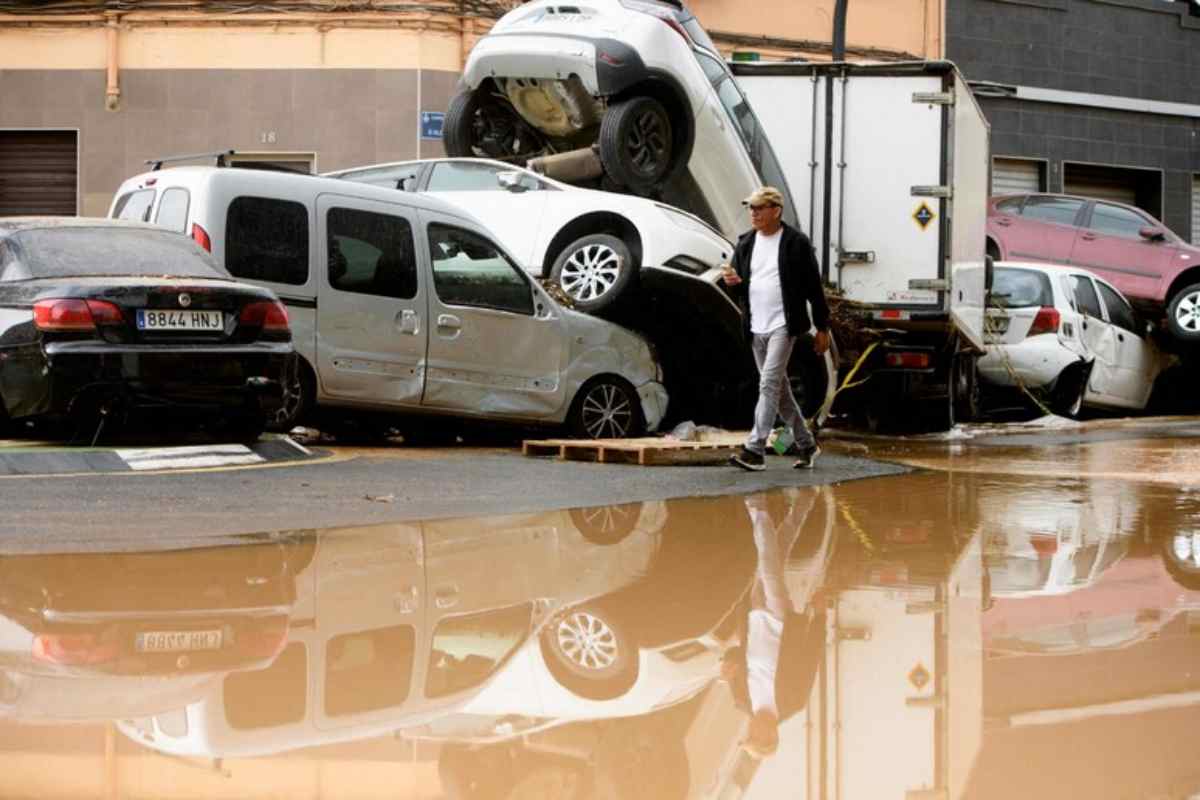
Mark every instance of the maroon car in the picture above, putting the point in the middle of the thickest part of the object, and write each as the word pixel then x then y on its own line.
pixel 1152 266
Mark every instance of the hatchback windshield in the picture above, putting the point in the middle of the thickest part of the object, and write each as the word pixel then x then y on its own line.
pixel 1019 288
pixel 80 252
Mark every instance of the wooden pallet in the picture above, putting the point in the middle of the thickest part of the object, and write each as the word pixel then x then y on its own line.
pixel 647 452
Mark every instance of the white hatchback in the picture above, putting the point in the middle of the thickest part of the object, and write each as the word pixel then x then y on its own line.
pixel 1066 333
pixel 630 94
pixel 594 244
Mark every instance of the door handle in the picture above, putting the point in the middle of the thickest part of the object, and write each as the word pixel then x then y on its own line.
pixel 1004 222
pixel 1085 324
pixel 410 323
pixel 449 321
pixel 1120 337
pixel 1088 237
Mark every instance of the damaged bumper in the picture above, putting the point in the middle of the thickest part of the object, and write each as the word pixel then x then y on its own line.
pixel 65 378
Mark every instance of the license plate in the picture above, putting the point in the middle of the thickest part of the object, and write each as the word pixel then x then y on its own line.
pixel 177 641
pixel 152 320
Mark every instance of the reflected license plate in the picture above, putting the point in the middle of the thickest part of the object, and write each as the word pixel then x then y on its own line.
pixel 177 641
pixel 152 320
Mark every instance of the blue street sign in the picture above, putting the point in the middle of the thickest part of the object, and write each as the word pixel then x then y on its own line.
pixel 431 124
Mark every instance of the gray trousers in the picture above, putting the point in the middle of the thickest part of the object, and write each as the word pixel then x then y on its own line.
pixel 772 351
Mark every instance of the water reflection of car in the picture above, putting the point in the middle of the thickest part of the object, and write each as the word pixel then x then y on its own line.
pixel 398 625
pixel 99 635
pixel 638 80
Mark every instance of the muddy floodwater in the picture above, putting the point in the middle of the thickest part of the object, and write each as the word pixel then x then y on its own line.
pixel 1015 620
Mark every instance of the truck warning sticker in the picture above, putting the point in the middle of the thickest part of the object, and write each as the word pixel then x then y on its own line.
pixel 924 215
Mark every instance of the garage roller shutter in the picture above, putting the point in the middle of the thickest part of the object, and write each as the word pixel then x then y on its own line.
pixel 1096 186
pixel 39 173
pixel 1015 176
pixel 1196 210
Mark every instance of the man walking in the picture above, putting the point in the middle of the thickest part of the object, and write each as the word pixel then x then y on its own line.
pixel 775 278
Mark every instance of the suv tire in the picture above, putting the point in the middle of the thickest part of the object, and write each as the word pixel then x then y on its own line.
pixel 479 125
pixel 636 144
pixel 1183 314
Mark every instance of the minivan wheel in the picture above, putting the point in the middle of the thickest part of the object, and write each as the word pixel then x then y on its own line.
pixel 636 146
pixel 594 271
pixel 299 395
pixel 479 124
pixel 606 408
pixel 1183 314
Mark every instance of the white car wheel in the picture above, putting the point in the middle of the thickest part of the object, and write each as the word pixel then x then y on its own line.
pixel 594 271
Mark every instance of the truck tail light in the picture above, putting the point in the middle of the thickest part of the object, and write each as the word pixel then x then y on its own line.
pixel 75 314
pixel 1047 321
pixel 270 315
pixel 72 649
pixel 902 360
pixel 200 237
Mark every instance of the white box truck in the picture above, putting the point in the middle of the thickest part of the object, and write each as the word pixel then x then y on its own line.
pixel 888 166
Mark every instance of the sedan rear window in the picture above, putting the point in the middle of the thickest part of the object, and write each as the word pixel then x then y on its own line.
pixel 1020 288
pixel 81 252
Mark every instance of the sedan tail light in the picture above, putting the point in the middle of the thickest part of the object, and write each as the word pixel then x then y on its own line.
pixel 200 237
pixel 270 315
pixel 72 649
pixel 75 314
pixel 1047 321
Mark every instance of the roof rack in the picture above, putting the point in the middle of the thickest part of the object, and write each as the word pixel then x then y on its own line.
pixel 221 156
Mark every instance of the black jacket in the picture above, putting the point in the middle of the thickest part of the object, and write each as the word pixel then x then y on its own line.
pixel 799 278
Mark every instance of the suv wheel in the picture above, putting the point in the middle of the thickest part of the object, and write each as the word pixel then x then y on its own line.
pixel 1183 314
pixel 589 654
pixel 594 271
pixel 636 143
pixel 480 125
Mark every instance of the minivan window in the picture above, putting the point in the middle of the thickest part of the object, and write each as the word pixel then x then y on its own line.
pixel 368 670
pixel 267 240
pixel 1117 221
pixel 469 270
pixel 1021 288
pixel 173 210
pixel 1060 210
pixel 371 253
pixel 1119 311
pixel 134 205
pixel 467 649
pixel 1086 300
pixel 270 697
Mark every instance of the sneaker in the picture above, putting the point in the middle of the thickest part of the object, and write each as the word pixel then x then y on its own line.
pixel 808 458
pixel 749 460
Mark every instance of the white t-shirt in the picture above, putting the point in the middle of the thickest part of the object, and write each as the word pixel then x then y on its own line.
pixel 766 294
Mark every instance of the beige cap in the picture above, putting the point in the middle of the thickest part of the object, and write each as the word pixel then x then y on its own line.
pixel 763 196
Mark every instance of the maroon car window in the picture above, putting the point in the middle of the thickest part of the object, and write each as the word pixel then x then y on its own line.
pixel 1119 312
pixel 1086 300
pixel 1060 210
pixel 1010 206
pixel 1117 221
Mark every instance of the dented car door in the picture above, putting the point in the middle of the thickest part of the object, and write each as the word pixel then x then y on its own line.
pixel 497 346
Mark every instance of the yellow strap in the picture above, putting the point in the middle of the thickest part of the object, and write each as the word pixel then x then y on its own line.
pixel 846 383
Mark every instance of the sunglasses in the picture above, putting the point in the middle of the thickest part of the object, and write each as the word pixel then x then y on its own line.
pixel 762 207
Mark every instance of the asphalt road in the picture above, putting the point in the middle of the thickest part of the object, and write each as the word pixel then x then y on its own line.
pixel 355 488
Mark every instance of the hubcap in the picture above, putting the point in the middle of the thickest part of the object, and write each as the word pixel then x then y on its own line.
pixel 606 519
pixel 1187 313
pixel 1186 547
pixel 647 143
pixel 590 272
pixel 607 413
pixel 587 641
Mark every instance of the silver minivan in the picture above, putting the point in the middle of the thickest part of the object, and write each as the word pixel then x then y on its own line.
pixel 404 303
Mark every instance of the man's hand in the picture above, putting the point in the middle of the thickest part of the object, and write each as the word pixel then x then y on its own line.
pixel 821 342
pixel 729 275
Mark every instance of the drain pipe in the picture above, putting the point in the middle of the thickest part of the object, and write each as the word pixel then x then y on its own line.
pixel 112 90
pixel 839 55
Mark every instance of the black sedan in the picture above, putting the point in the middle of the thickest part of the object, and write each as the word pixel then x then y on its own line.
pixel 104 322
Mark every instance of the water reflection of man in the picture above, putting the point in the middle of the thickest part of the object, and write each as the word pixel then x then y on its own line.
pixel 771 673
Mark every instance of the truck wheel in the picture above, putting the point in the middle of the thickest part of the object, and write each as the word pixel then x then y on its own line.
pixel 964 383
pixel 606 407
pixel 588 652
pixel 636 143
pixel 594 271
pixel 1183 314
pixel 480 125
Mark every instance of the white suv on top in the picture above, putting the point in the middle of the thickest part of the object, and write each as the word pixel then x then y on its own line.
pixel 637 82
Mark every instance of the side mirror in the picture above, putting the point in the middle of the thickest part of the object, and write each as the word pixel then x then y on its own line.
pixel 1152 234
pixel 511 181
pixel 407 184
